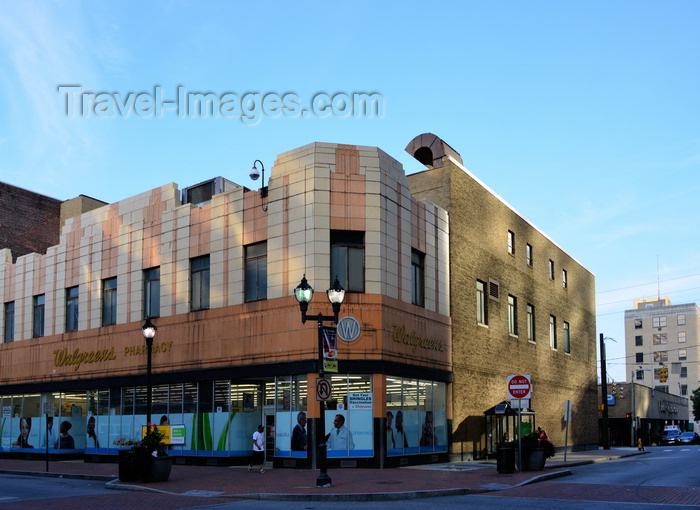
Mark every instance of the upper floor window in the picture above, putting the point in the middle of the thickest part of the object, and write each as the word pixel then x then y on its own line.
pixel 531 322
pixel 151 292
pixel 681 337
pixel 109 301
pixel 417 278
pixel 567 337
pixel 682 354
pixel 684 372
pixel 512 315
pixel 199 269
pixel 552 331
pixel 564 278
pixel 72 294
pixel 551 269
pixel 638 340
pixel 637 323
pixel 639 357
pixel 660 356
pixel 39 310
pixel 481 303
pixel 528 254
pixel 660 338
pixel 348 259
pixel 640 375
pixel 681 319
pixel 658 322
pixel 511 242
pixel 9 334
pixel 256 271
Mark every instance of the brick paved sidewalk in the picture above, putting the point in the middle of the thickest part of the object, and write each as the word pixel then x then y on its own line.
pixel 397 483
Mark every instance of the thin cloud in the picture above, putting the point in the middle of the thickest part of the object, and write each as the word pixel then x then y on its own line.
pixel 41 55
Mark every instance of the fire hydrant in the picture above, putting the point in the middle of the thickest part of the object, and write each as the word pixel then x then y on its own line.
pixel 640 445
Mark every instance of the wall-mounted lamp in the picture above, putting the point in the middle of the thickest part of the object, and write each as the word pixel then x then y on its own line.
pixel 254 175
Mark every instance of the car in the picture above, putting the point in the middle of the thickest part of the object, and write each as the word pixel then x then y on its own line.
pixel 670 437
pixel 689 438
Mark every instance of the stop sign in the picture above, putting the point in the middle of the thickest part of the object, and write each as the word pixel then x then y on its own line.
pixel 519 386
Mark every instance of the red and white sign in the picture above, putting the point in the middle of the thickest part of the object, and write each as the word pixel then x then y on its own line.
pixel 324 390
pixel 519 386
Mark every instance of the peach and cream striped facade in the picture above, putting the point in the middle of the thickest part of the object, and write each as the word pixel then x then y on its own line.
pixel 312 190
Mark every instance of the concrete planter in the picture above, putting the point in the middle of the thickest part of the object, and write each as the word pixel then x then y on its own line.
pixel 136 465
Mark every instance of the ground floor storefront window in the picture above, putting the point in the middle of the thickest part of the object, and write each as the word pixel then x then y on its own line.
pixel 218 418
pixel 199 418
pixel 348 417
pixel 26 427
pixel 416 416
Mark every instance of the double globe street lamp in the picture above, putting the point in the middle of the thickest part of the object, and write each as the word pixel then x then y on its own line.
pixel 304 293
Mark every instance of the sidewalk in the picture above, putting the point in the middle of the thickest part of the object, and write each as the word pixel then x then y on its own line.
pixel 300 484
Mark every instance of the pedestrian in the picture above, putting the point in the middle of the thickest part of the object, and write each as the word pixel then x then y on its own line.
pixel 258 456
pixel 640 444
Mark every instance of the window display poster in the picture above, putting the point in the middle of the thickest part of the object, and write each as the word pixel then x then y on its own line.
pixel 291 434
pixel 350 433
pixel 410 432
pixel 66 434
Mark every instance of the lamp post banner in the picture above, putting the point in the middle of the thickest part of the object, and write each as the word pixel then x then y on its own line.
pixel 330 349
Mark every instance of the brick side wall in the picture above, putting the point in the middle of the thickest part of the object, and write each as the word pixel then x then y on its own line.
pixel 483 357
pixel 29 222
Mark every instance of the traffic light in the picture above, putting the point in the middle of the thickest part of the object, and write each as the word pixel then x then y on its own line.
pixel 664 374
pixel 621 393
pixel 614 388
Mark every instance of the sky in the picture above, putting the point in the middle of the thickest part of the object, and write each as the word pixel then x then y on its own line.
pixel 583 116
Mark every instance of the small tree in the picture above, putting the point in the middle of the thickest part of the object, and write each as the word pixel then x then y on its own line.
pixel 695 398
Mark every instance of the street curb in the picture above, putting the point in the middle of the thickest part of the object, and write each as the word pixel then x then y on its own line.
pixel 371 496
pixel 548 476
pixel 99 478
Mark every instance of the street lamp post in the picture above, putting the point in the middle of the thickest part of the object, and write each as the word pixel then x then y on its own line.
pixel 604 394
pixel 149 332
pixel 304 293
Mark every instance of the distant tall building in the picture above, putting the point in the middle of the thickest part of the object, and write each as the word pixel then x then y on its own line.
pixel 658 336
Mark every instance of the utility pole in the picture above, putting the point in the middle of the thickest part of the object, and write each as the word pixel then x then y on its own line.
pixel 604 392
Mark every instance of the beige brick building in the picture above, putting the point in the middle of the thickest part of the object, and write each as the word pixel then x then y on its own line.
pixel 538 310
pixel 659 334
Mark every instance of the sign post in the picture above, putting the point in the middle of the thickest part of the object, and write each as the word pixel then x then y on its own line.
pixel 519 388
pixel 47 409
pixel 567 419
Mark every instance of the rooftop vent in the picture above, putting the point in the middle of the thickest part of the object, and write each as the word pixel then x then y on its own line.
pixel 429 149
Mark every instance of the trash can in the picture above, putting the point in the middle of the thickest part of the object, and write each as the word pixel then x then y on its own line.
pixel 505 459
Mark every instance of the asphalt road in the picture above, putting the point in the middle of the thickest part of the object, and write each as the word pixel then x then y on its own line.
pixel 666 477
